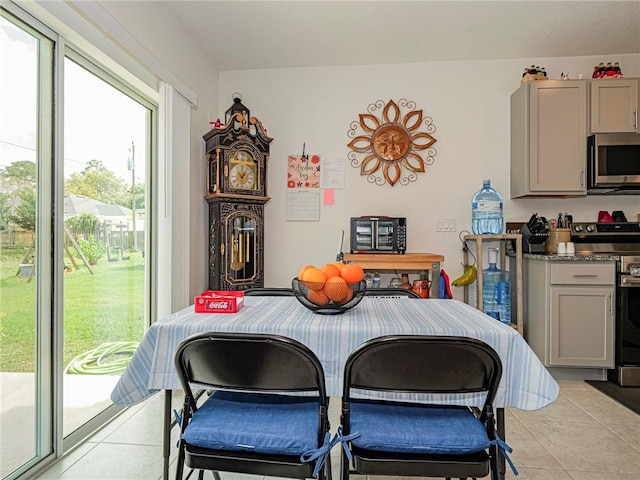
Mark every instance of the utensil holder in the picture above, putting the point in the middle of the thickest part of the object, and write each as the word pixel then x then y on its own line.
pixel 557 235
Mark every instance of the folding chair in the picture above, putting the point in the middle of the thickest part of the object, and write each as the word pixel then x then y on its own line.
pixel 269 292
pixel 413 438
pixel 391 292
pixel 267 414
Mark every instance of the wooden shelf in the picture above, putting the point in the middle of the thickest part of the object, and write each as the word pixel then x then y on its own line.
pixel 429 262
pixel 516 292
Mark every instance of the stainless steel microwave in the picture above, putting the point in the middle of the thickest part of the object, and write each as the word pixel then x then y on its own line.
pixel 613 162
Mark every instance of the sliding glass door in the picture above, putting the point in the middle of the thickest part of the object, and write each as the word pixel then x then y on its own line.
pixel 76 146
pixel 26 79
pixel 106 138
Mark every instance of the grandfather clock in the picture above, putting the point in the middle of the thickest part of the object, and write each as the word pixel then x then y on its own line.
pixel 236 156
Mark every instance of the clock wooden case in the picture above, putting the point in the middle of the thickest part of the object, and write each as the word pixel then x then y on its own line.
pixel 236 158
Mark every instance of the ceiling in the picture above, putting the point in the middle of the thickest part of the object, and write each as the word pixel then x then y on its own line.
pixel 239 35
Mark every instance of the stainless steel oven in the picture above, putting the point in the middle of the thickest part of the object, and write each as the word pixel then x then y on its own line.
pixel 378 234
pixel 623 241
pixel 627 371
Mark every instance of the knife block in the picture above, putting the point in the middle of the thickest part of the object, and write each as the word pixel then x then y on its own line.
pixel 533 242
pixel 557 235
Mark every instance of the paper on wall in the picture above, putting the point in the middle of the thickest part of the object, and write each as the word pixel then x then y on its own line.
pixel 303 204
pixel 332 173
pixel 303 188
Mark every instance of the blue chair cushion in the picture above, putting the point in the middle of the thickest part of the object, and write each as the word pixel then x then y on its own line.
pixel 261 423
pixel 418 429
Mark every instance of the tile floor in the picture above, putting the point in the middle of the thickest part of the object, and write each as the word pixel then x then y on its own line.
pixel 584 435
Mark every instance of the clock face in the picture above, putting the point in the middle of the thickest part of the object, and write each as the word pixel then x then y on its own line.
pixel 242 176
pixel 243 171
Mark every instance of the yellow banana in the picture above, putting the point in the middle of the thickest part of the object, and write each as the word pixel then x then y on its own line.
pixel 457 281
pixel 462 278
pixel 473 275
pixel 467 278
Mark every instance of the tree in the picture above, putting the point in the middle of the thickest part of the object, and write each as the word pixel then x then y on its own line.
pixel 5 211
pixel 98 182
pixel 139 192
pixel 17 195
pixel 19 175
pixel 25 211
pixel 85 224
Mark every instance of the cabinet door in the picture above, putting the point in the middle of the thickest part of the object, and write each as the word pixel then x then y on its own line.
pixel 581 326
pixel 558 146
pixel 614 106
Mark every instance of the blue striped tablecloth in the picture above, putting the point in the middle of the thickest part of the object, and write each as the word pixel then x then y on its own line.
pixel 526 384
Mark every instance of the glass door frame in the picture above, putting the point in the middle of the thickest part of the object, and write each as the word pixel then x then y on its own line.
pixel 44 401
pixel 50 443
pixel 71 53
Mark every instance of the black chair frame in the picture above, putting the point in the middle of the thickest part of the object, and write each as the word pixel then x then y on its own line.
pixel 256 363
pixel 269 292
pixel 391 292
pixel 423 364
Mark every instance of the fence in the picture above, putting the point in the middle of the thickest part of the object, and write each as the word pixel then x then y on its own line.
pixel 17 239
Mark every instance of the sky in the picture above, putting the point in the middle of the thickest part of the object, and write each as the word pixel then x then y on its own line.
pixel 100 122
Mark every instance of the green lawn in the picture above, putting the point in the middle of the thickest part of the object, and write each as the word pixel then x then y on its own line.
pixel 103 307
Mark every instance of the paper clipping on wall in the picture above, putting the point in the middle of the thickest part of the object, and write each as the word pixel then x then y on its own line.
pixel 332 173
pixel 303 204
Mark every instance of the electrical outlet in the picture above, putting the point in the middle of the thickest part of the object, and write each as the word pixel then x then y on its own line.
pixel 445 225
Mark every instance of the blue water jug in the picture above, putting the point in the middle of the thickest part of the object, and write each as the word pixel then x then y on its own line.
pixel 496 290
pixel 486 211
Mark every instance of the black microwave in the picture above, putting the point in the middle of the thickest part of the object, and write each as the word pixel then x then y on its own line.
pixel 378 234
pixel 613 162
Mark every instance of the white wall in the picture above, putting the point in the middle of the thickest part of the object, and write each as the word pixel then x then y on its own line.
pixel 469 104
pixel 468 101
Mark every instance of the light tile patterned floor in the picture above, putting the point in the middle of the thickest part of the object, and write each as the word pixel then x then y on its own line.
pixel 584 435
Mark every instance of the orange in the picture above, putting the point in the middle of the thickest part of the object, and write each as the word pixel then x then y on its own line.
pixel 347 298
pixel 313 278
pixel 330 270
pixel 336 289
pixel 352 273
pixel 301 272
pixel 318 297
pixel 338 265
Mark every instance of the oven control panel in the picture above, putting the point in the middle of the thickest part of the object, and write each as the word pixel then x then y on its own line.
pixel 626 229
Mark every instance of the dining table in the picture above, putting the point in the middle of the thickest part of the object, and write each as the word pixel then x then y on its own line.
pixel 525 384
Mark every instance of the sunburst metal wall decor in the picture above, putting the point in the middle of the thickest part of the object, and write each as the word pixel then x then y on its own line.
pixel 392 149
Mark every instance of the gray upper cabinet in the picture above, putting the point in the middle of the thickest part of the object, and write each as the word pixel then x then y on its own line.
pixel 614 106
pixel 548 138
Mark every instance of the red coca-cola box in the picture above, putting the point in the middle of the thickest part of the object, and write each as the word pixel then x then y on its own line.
pixel 214 301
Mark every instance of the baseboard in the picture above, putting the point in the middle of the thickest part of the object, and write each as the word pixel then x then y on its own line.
pixel 564 373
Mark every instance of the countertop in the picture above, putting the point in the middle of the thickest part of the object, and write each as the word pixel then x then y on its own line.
pixel 572 258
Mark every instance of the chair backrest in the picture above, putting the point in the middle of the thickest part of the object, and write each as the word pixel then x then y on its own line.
pixel 426 364
pixel 391 292
pixel 250 362
pixel 269 292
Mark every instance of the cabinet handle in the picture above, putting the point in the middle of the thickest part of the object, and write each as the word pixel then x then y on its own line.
pixel 585 275
pixel 635 120
pixel 582 178
pixel 610 304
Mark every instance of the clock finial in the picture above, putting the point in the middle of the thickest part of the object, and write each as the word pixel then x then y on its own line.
pixel 237 108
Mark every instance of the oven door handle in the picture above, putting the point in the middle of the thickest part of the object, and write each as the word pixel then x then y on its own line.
pixel 629 281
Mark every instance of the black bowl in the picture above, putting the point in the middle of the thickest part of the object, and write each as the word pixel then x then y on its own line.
pixel 301 290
